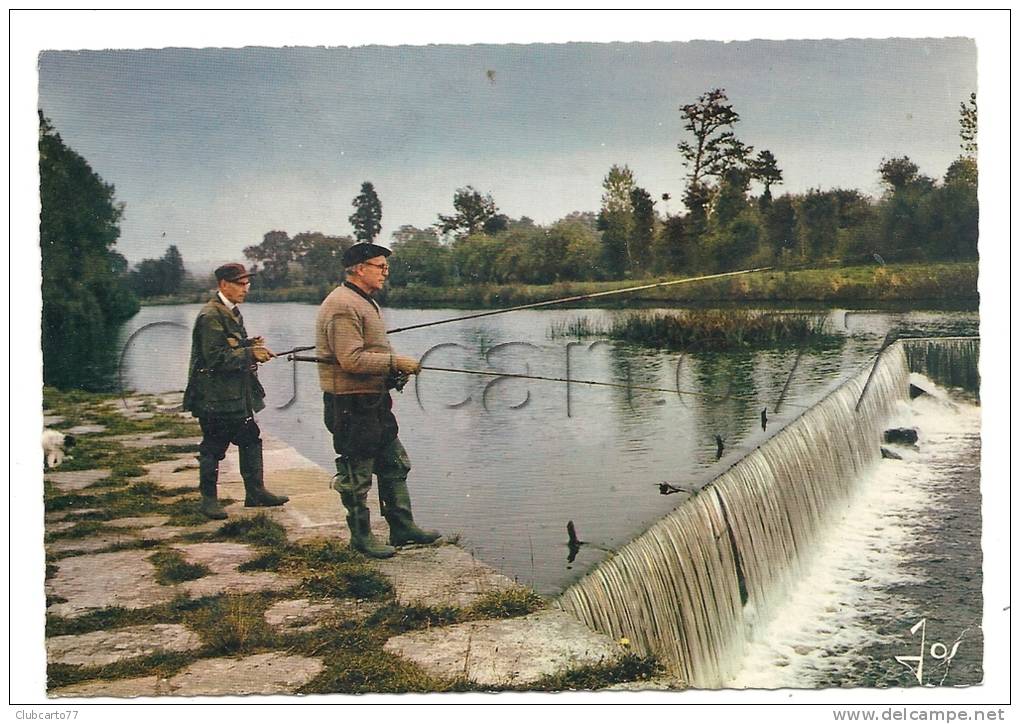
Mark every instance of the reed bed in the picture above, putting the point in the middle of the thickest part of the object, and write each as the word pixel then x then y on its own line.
pixel 713 329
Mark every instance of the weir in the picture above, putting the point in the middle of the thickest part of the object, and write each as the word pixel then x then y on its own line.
pixel 690 588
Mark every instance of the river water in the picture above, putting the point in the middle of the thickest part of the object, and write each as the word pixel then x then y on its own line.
pixel 507 463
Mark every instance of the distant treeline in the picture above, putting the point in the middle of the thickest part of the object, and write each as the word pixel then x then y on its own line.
pixel 731 220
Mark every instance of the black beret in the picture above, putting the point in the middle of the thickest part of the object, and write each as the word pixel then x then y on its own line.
pixel 232 272
pixel 364 250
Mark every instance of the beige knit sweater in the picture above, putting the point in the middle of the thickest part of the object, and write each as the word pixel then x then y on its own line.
pixel 351 330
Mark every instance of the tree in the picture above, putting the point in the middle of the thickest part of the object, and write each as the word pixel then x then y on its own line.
pixel 818 223
pixel 367 216
pixel 898 173
pixel 419 258
pixel 616 220
pixel 642 229
pixel 969 126
pixel 472 211
pixel 731 197
pixel 673 250
pixel 159 277
pixel 715 148
pixel 320 257
pixel 276 252
pixel 962 171
pixel 780 226
pixel 765 170
pixel 85 292
pixel 579 242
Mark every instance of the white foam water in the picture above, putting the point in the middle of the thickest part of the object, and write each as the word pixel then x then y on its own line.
pixel 830 615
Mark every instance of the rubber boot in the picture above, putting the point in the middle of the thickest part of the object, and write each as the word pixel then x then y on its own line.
pixel 395 501
pixel 255 493
pixel 362 538
pixel 208 474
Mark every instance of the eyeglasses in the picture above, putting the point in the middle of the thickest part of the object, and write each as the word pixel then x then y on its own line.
pixel 245 283
pixel 384 267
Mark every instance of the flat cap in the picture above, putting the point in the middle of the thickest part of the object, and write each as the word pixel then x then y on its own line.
pixel 232 272
pixel 364 250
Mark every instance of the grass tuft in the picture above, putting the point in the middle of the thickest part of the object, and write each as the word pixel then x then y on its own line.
pixel 398 619
pixel 348 580
pixel 232 624
pixel 516 601
pixel 629 667
pixel 172 568
pixel 258 530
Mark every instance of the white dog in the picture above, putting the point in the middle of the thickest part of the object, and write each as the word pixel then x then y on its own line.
pixel 55 445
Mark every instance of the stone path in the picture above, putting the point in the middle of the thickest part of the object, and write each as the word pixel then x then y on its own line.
pixel 89 577
pixel 506 652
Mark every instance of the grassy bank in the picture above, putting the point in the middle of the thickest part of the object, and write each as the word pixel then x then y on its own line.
pixel 891 283
pixel 943 282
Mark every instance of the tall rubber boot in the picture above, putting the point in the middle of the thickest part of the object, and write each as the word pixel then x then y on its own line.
pixel 395 501
pixel 255 493
pixel 358 521
pixel 208 474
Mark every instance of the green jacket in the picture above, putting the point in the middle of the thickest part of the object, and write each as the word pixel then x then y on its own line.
pixel 222 377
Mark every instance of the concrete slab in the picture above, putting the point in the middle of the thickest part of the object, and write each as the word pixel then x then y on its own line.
pixel 100 648
pixel 119 688
pixel 218 557
pixel 85 429
pixel 515 651
pixel 72 480
pixel 90 582
pixel 90 544
pixel 443 575
pixel 164 532
pixel 142 521
pixel 661 683
pixel 55 526
pixel 270 673
pixel 62 514
pixel 50 420
pixel 223 559
pixel 305 614
pixel 237 583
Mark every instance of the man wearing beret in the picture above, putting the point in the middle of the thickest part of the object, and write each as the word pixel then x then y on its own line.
pixel 224 392
pixel 350 331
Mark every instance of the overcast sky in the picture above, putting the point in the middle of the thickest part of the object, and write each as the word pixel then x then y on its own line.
pixel 215 147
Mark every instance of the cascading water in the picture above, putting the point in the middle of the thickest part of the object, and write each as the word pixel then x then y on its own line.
pixel 949 361
pixel 688 588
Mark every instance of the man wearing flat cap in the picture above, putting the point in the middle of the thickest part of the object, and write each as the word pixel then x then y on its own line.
pixel 350 331
pixel 224 392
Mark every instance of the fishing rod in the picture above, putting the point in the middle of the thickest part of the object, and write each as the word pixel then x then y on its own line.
pixel 581 297
pixel 569 380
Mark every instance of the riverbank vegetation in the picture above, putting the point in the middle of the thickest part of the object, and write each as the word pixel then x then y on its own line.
pixel 708 330
pixel 85 294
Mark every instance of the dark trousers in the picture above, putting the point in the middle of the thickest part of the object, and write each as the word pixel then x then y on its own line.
pixel 219 432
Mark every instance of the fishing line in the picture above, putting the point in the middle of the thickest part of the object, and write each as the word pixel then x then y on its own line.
pixel 569 380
